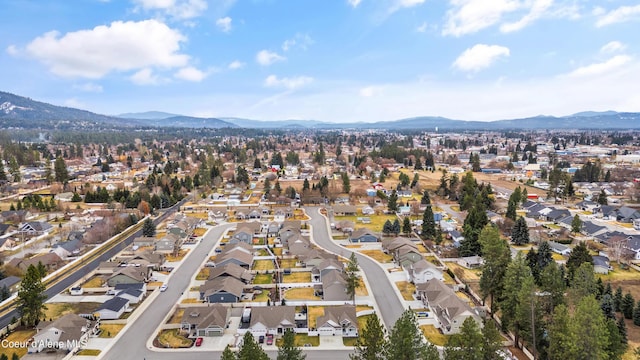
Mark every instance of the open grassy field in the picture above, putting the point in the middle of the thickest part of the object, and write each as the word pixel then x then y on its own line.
pixel 173 339
pixel 434 335
pixel 377 255
pixel 619 274
pixel 261 279
pixel 18 336
pixel 301 294
pixel 110 330
pixel 297 277
pixel 263 265
pixel 406 289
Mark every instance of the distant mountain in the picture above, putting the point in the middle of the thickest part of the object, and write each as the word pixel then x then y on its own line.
pixel 187 122
pixel 147 115
pixel 21 112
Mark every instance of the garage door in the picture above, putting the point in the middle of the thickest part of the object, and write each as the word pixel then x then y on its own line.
pixel 214 333
pixel 326 331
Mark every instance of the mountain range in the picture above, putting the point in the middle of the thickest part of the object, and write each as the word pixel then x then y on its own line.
pixel 22 112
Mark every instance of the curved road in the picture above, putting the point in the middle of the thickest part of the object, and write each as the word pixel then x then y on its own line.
pixel 383 290
pixel 131 344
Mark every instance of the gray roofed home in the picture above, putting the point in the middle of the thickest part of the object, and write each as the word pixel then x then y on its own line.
pixel 65 333
pixel 450 310
pixel 221 290
pixel 344 210
pixel 363 235
pixel 601 264
pixel 10 282
pixel 559 248
pixel 36 228
pixel 271 320
pixel 334 286
pixel 133 295
pixel 423 271
pixel 232 270
pixel 237 257
pixel 205 321
pixel 128 275
pixel 113 308
pixel 338 320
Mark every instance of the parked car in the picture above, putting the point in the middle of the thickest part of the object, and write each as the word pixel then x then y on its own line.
pixel 76 290
pixel 261 339
pixel 163 287
pixel 270 339
pixel 199 341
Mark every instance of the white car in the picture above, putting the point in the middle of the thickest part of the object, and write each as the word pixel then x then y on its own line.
pixel 163 288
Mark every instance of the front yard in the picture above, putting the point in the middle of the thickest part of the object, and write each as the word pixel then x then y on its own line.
pixel 18 336
pixel 377 255
pixel 406 289
pixel 172 339
pixel 179 257
pixel 110 330
pixel 434 335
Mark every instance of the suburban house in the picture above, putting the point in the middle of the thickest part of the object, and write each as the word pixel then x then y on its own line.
pixel 334 286
pixel 315 257
pixel 113 308
pixel 51 261
pixel 471 262
pixel 363 235
pixel 245 232
pixel 166 245
pixel 338 320
pixel 132 294
pixel 422 271
pixel 128 275
pixel 224 289
pixel 10 282
pixel 456 237
pixel 345 210
pixel 299 246
pixel 205 321
pixel 36 228
pixel 271 320
pixel 231 270
pixel 601 264
pixel 239 258
pixel 326 266
pixel 558 248
pixel 136 286
pixel 69 248
pixel 449 309
pixel 66 333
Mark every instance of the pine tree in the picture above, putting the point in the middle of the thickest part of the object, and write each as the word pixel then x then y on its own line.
pixel 250 350
pixel 628 303
pixel 608 309
pixel 636 314
pixel 60 169
pixel 617 299
pixel 406 225
pixel 497 256
pixel 288 349
pixel 467 344
pixel 3 174
pixel 405 341
pixel 580 254
pixel 590 329
pixel 622 329
pixel 520 232
pixel 511 210
pixel 562 341
pixel 228 354
pixel 387 228
pixel 346 183
pixel 352 276
pixel 473 224
pixel 392 203
pixel 576 224
pixel 602 198
pixel 31 296
pixel 148 228
pixel 371 342
pixel 428 230
pixel 396 227
pixel 491 341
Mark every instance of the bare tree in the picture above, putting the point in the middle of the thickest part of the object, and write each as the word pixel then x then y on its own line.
pixel 617 248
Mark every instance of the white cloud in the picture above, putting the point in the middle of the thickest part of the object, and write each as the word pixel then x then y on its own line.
pixel 12 50
pixel 190 73
pixel 234 65
pixel 422 28
pixel 88 87
pixel 538 9
pixel 224 24
pixel 470 16
pixel 602 67
pixel 288 83
pixel 370 91
pixel 179 9
pixel 612 47
pixel 145 77
pixel 621 14
pixel 120 46
pixel 480 57
pixel 410 3
pixel 302 41
pixel 354 3
pixel 74 103
pixel 266 57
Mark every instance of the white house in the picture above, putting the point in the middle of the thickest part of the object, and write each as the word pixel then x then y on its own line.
pixel 66 333
pixel 338 320
pixel 423 271
pixel 113 308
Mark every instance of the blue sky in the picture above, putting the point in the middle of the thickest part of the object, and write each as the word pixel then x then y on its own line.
pixel 330 60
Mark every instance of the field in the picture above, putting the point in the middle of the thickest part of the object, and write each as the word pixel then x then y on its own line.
pixel 619 274
pixel 406 289
pixel 288 263
pixel 262 265
pixel 56 310
pixel 434 335
pixel 376 225
pixel 377 255
pixel 301 294
pixel 297 277
pixel 464 274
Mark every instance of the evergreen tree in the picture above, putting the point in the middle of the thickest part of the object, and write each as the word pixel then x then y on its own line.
pixel 520 232
pixel 228 354
pixel 590 329
pixel 426 200
pixel 250 350
pixel 4 356
pixel 405 341
pixel 305 185
pixel 516 273
pixel 584 283
pixel 552 281
pixel 497 257
pixel 352 276
pixel 602 198
pixel 615 345
pixel 387 228
pixel 428 230
pixel 48 171
pixel 371 342
pixel 288 349
pixel 406 225
pixel 491 341
pixel 627 305
pixel 31 297
pixel 148 228
pixel 606 304
pixel 346 183
pixel 473 224
pixel 622 329
pixel 636 314
pixel 3 174
pixel 465 345
pixel 579 254
pixel 576 224
pixel 617 299
pixel 392 203
pixel 396 227
pixel 562 341
pixel 511 210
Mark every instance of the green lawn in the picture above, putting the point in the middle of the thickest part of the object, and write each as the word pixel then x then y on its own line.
pixel 377 221
pixel 263 265
pixel 261 279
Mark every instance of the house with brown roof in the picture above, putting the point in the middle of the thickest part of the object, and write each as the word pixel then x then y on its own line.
pixel 129 275
pixel 66 333
pixel 205 321
pixel 326 266
pixel 449 309
pixel 345 210
pixel 51 262
pixel 232 270
pixel 338 320
pixel 224 289
pixel 271 320
pixel 334 286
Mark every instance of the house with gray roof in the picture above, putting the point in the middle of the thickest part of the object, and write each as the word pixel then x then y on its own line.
pixel 113 308
pixel 221 290
pixel 233 270
pixel 338 320
pixel 273 320
pixel 205 321
pixel 449 309
pixel 66 333
pixel 363 235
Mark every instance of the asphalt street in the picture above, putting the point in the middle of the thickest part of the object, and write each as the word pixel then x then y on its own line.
pixel 383 290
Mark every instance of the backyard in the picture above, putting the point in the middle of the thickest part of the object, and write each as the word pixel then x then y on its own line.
pixel 262 265
pixel 297 277
pixel 301 294
pixel 377 255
